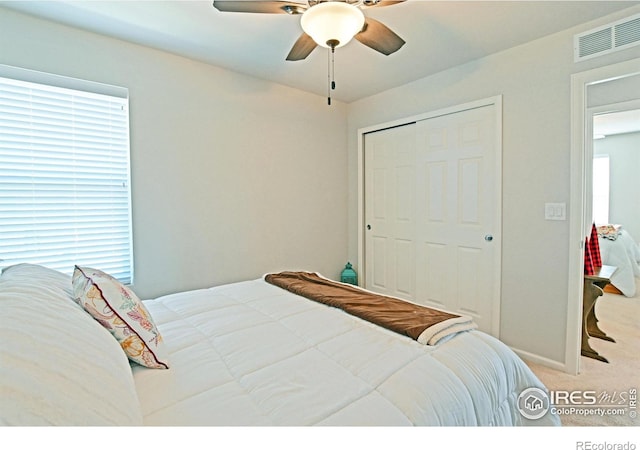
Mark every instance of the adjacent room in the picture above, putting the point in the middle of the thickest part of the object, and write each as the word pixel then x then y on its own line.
pixel 286 223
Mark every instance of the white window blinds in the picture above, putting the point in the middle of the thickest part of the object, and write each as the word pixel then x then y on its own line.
pixel 64 173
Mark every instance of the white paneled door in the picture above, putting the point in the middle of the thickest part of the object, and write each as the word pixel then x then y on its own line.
pixel 432 194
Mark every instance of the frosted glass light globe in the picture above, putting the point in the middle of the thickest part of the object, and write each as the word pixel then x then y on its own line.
pixel 332 21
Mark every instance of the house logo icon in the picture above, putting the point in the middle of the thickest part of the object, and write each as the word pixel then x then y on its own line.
pixel 533 403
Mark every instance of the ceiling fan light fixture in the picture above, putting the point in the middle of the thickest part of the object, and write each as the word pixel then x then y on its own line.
pixel 331 22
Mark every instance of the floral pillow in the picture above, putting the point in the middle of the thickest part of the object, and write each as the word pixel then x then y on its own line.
pixel 121 312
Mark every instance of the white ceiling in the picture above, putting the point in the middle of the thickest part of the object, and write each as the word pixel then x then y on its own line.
pixel 439 35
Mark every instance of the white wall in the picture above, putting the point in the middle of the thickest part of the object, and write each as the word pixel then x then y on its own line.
pixel 534 80
pixel 232 176
pixel 624 184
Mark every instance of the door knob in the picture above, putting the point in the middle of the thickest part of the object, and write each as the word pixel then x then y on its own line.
pixel 488 238
pixel 368 227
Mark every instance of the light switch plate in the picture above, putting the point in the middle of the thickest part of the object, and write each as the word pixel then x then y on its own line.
pixel 555 211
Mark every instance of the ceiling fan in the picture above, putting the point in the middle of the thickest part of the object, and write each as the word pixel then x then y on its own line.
pixel 328 23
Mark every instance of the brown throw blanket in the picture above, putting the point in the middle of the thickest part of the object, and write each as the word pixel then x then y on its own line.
pixel 425 325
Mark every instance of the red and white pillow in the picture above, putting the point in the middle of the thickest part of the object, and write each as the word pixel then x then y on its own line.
pixel 121 312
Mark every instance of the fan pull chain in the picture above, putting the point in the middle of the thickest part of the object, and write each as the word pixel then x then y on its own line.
pixel 329 77
pixel 333 68
pixel 331 63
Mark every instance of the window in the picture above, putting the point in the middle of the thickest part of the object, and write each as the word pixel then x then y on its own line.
pixel 601 189
pixel 64 173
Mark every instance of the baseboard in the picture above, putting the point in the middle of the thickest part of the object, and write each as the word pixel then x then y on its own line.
pixel 537 359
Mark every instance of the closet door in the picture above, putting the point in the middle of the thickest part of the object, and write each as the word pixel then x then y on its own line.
pixel 431 206
pixel 390 207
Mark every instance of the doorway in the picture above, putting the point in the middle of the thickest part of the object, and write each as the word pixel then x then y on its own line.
pixel 584 89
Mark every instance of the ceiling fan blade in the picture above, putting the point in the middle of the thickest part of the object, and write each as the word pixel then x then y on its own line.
pixel 372 3
pixel 257 6
pixel 301 49
pixel 379 37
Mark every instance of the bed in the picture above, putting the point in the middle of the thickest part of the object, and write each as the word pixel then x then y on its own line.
pixel 243 354
pixel 619 249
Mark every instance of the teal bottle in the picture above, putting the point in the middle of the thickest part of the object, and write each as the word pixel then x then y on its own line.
pixel 349 275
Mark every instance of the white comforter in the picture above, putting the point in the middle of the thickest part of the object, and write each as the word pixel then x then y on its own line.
pixel 251 353
pixel 623 253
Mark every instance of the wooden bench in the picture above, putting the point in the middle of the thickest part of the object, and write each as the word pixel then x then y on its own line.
pixel 593 288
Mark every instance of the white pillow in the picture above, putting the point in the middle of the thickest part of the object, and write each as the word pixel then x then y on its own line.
pixel 121 312
pixel 55 284
pixel 59 366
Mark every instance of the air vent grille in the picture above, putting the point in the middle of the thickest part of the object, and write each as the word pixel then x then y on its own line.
pixel 628 33
pixel 599 41
pixel 607 39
